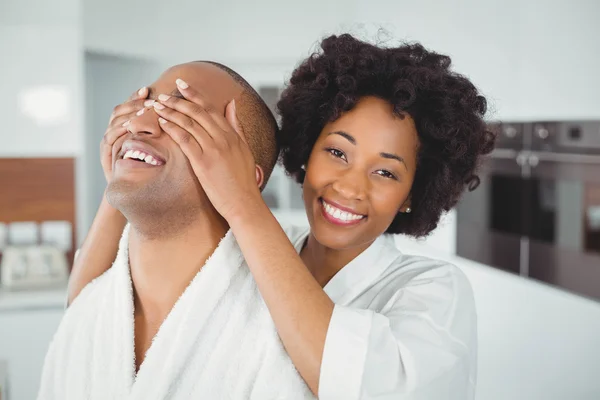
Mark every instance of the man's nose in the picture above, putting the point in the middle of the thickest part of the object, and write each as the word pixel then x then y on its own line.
pixel 351 185
pixel 145 123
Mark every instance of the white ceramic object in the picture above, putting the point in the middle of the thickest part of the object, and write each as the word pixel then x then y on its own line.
pixel 23 233
pixel 58 234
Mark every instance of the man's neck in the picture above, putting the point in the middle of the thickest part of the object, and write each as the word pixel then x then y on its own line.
pixel 163 266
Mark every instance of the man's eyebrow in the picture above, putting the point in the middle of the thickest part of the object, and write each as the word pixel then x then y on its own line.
pixel 174 93
pixel 177 93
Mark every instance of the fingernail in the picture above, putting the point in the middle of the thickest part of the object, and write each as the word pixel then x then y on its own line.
pixel 148 103
pixel 181 83
pixel 125 123
pixel 158 106
pixel 162 120
pixel 140 112
pixel 163 97
pixel 141 91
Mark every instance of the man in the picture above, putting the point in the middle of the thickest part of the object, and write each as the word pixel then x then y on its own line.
pixel 178 315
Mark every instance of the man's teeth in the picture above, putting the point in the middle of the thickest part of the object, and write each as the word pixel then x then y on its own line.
pixel 138 155
pixel 339 214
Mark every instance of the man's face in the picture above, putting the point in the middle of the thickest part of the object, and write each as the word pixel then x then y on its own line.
pixel 165 181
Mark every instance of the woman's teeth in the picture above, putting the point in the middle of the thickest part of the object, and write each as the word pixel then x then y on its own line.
pixel 138 155
pixel 339 214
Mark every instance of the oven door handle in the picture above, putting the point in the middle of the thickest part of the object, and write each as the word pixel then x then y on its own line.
pixel 504 154
pixel 536 157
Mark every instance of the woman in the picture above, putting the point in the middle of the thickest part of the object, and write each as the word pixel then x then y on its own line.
pixel 382 140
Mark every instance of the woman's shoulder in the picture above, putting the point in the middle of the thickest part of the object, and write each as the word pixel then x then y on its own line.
pixel 418 269
pixel 427 285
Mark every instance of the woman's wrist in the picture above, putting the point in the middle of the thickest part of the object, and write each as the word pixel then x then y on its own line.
pixel 251 212
pixel 106 211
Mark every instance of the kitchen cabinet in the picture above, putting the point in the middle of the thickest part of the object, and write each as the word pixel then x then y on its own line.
pixel 28 321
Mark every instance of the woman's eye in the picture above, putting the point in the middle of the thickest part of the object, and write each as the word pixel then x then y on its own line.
pixel 337 153
pixel 386 174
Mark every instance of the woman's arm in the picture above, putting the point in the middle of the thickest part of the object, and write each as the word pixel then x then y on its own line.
pixel 98 251
pixel 300 309
pixel 423 342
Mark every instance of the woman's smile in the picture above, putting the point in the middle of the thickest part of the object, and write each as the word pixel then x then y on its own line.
pixel 339 215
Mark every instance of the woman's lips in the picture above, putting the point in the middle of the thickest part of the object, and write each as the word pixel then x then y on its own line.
pixel 339 216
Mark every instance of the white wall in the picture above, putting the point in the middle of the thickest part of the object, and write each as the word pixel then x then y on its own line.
pixel 109 80
pixel 41 44
pixel 533 59
pixel 559 59
pixel 263 30
pixel 24 339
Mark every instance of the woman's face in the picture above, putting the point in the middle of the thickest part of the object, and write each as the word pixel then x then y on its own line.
pixel 359 174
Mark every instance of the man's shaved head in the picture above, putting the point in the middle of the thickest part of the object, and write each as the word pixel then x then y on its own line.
pixel 258 123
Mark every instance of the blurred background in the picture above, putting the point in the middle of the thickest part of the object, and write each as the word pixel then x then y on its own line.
pixel 528 238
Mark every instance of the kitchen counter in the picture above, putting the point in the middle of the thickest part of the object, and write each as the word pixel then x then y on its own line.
pixel 529 334
pixel 33 299
pixel 28 321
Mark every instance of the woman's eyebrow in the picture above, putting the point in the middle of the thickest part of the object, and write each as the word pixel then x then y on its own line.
pixel 345 135
pixel 392 156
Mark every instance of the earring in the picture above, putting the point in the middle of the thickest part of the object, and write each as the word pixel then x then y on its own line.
pixel 408 210
pixel 303 167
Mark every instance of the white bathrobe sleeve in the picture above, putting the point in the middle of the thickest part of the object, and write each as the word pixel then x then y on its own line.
pixel 420 345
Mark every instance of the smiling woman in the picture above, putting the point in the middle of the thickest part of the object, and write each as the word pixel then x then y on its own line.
pixel 383 140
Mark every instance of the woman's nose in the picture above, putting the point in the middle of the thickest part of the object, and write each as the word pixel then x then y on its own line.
pixel 351 186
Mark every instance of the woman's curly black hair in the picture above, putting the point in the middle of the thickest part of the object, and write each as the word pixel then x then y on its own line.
pixel 446 107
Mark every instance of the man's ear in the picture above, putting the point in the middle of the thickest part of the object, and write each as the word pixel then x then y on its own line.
pixel 260 176
pixel 232 118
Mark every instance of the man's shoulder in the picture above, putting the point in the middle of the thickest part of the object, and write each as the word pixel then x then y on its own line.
pixel 93 291
pixel 79 319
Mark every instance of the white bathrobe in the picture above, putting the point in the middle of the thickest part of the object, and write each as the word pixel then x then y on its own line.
pixel 403 328
pixel 218 342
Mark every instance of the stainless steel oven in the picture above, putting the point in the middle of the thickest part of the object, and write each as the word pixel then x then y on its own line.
pixel 537 211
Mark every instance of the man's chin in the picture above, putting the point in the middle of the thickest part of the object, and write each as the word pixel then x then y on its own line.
pixel 124 194
pixel 142 199
pixel 120 185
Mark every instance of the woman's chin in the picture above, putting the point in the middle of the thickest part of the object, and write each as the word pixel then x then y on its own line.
pixel 333 238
